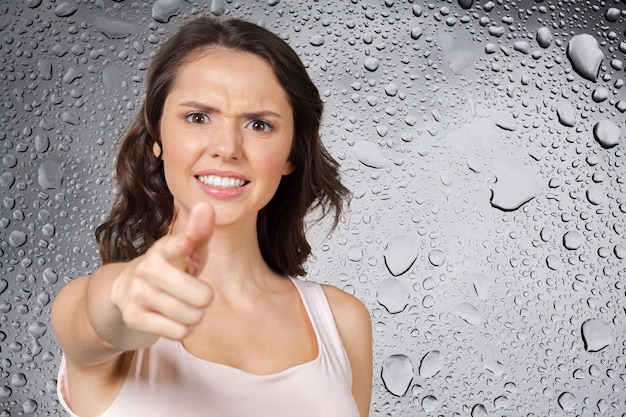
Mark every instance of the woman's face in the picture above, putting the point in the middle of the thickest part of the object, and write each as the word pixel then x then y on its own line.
pixel 226 134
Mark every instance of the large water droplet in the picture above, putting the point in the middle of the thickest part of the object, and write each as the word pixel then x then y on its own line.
pixel 482 285
pixel 513 188
pixel 37 329
pixel 566 114
pixel 567 401
pixel 606 133
pixel 371 64
pixel 585 55
pixel 397 374
pixel 65 9
pixel 113 29
pixel 17 238
pixel 430 403
pixel 436 257
pixel 596 335
pixel 369 154
pixel 431 364
pixel 50 175
pixel 393 294
pixel 163 10
pixel 400 253
pixel 469 313
pixel 573 240
pixel 544 37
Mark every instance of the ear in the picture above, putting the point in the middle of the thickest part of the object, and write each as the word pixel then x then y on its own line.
pixel 289 167
pixel 156 149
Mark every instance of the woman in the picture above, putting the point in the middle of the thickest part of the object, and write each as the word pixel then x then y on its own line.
pixel 195 311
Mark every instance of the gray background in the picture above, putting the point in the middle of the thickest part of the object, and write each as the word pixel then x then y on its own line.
pixel 486 233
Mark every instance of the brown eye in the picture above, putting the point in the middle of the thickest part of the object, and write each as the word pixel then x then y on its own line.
pixel 197 118
pixel 259 126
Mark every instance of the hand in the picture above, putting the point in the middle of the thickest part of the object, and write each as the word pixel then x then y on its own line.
pixel 159 293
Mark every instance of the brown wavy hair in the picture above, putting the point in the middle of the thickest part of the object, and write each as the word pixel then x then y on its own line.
pixel 143 209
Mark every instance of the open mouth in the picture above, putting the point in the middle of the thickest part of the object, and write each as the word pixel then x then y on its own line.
pixel 221 182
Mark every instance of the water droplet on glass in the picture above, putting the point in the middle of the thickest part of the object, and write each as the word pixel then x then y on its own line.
pixel 466 4
pixel 50 175
pixel 596 335
pixel 513 187
pixel 573 240
pixel 479 410
pixel 595 194
pixel 606 133
pixel 113 29
pixel 163 10
pixel 567 401
pixel 585 55
pixel 431 364
pixel 469 313
pixel 566 114
pixel 397 374
pixel 612 14
pixel 600 94
pixel 544 37
pixel 371 64
pixel 369 154
pixel 37 329
pixel 65 9
pixel 17 238
pixel 400 253
pixel 430 403
pixel 218 7
pixel 29 406
pixel 393 294
pixel 316 40
pixel 437 257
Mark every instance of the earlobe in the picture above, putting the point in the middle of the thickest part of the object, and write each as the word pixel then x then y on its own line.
pixel 156 150
pixel 288 168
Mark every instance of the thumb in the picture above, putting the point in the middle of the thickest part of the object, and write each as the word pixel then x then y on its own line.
pixel 197 234
pixel 200 225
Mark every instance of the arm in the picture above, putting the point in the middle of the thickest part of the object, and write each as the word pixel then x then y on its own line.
pixel 127 306
pixel 355 328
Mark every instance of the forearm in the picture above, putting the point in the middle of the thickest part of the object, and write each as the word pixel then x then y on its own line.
pixel 89 327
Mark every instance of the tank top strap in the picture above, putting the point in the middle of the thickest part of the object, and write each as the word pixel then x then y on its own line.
pixel 332 352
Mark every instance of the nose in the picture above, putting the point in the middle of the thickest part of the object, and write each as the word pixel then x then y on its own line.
pixel 226 141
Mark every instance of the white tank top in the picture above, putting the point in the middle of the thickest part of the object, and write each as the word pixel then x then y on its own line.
pixel 165 380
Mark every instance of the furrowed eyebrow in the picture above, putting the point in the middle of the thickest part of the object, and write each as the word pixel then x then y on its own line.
pixel 208 109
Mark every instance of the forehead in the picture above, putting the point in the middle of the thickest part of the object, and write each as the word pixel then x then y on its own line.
pixel 228 68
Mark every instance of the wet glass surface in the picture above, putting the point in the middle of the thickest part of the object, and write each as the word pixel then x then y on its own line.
pixel 484 144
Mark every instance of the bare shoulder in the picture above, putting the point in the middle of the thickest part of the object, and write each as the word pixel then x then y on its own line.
pixel 355 329
pixel 346 308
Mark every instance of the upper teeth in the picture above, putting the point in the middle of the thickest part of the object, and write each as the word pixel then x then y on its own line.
pixel 223 182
